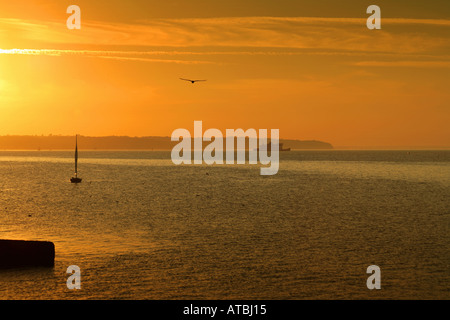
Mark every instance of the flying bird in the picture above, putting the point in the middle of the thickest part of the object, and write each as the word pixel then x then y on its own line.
pixel 192 81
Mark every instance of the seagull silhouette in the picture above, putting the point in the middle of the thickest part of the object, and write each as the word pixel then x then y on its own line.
pixel 192 81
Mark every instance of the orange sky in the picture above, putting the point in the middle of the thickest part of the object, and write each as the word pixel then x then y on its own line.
pixel 309 68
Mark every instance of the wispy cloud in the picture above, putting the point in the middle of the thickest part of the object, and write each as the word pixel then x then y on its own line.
pixel 262 32
pixel 268 52
pixel 234 36
pixel 105 54
pixel 413 64
pixel 153 60
pixel 304 20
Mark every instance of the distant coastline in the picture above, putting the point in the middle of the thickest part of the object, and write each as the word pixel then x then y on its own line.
pixel 59 142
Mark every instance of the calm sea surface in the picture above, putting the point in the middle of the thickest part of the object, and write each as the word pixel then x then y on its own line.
pixel 140 227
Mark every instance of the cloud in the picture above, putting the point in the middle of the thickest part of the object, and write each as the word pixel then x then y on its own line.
pixel 153 60
pixel 104 54
pixel 259 35
pixel 413 64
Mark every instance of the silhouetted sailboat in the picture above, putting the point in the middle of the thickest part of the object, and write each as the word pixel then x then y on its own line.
pixel 76 179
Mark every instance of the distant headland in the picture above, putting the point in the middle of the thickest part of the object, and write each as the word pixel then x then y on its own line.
pixel 59 142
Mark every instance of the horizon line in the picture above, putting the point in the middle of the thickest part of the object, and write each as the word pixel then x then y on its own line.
pixel 335 147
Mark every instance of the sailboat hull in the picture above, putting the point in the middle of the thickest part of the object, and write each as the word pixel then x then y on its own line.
pixel 75 180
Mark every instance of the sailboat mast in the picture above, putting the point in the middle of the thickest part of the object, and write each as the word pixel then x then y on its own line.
pixel 76 155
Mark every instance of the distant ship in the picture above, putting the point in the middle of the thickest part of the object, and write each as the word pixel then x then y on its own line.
pixel 280 147
pixel 284 149
pixel 76 179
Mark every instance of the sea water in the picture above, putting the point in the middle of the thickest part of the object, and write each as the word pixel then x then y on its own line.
pixel 140 227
